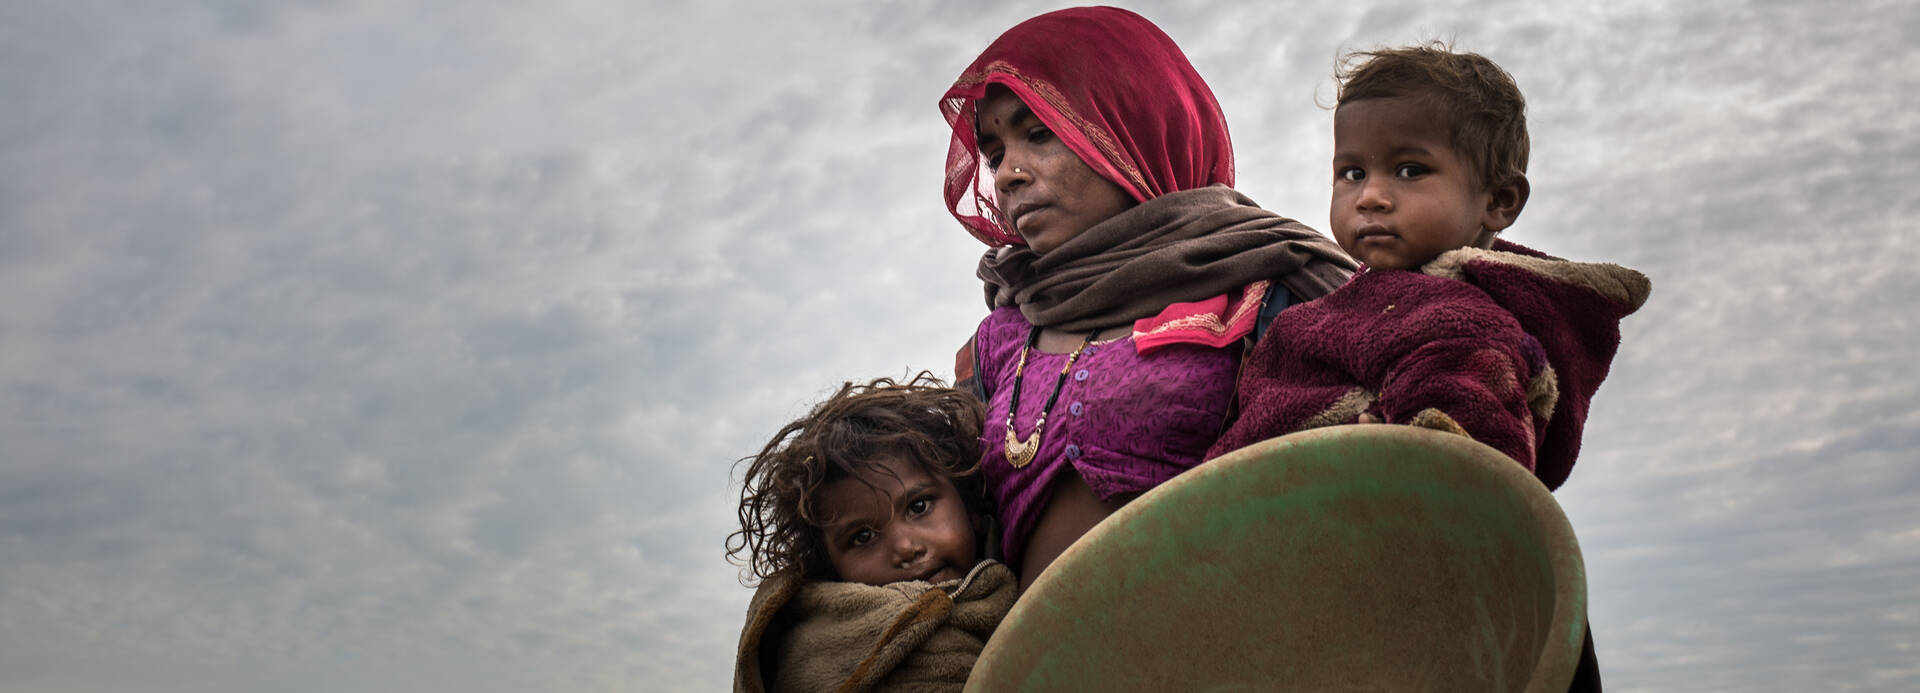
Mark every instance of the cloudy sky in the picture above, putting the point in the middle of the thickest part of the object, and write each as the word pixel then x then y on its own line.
pixel 378 346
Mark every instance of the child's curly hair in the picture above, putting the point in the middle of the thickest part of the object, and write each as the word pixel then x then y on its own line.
pixel 920 420
pixel 1488 112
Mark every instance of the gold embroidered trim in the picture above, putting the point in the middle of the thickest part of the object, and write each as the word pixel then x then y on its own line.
pixel 1249 302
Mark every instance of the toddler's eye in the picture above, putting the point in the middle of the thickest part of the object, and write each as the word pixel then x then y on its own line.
pixel 861 538
pixel 919 506
pixel 1350 174
pixel 1410 171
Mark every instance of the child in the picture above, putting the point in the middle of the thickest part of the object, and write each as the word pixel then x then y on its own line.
pixel 1444 326
pixel 863 522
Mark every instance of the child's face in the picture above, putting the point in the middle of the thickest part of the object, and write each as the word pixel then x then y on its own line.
pixel 891 527
pixel 1401 194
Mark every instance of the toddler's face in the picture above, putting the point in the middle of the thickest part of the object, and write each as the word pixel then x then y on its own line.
pixel 897 523
pixel 1401 194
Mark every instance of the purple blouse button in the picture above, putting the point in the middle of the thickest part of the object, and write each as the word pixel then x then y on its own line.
pixel 1073 451
pixel 1077 408
pixel 1080 375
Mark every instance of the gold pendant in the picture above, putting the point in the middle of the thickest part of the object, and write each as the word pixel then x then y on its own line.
pixel 1020 452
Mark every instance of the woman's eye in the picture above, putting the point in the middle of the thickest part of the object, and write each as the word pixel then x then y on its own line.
pixel 1410 171
pixel 861 538
pixel 1038 135
pixel 1350 174
pixel 993 161
pixel 919 506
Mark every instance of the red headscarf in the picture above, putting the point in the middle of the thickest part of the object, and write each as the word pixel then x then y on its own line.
pixel 1113 87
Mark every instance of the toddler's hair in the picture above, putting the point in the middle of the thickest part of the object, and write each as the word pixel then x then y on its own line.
pixel 1489 114
pixel 921 421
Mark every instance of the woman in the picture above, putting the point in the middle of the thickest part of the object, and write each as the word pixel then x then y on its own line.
pixel 1125 272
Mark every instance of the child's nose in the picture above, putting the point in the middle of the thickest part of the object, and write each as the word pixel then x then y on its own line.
pixel 908 548
pixel 1373 197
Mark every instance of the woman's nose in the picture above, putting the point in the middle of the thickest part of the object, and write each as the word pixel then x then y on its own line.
pixel 1011 173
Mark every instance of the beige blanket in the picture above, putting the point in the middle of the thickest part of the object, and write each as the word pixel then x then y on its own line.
pixel 843 636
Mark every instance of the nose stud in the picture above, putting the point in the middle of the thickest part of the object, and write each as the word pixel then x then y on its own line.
pixel 906 564
pixel 1016 169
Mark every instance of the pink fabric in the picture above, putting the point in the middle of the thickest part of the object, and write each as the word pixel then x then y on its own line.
pixel 1214 322
pixel 1113 87
pixel 1126 422
pixel 1467 346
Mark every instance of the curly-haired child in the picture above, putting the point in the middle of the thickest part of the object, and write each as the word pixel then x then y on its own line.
pixel 863 522
pixel 1444 326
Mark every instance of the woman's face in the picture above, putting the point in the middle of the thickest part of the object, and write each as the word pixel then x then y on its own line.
pixel 1044 191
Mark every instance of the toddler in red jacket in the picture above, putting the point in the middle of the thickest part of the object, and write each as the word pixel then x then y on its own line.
pixel 1445 326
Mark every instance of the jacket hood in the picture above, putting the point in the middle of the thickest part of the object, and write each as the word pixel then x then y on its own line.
pixel 1574 310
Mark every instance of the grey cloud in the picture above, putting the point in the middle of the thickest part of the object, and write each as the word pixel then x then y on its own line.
pixel 351 345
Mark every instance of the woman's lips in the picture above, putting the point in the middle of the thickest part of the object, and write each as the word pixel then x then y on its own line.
pixel 1022 210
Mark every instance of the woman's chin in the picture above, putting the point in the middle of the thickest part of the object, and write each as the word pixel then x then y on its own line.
pixel 1043 242
pixel 1038 243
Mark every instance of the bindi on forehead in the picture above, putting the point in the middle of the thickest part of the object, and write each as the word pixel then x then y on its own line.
pixel 1000 109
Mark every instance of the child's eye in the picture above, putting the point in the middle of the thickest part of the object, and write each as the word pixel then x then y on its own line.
pixel 861 537
pixel 1350 174
pixel 1410 171
pixel 919 506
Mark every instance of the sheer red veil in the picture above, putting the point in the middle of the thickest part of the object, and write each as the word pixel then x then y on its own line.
pixel 1113 87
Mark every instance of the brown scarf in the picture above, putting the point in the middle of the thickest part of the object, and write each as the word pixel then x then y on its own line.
pixel 1183 246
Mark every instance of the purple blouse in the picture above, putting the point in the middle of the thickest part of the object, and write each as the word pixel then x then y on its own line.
pixel 1126 422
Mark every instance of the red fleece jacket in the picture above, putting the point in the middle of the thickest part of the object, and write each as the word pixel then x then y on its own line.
pixel 1509 343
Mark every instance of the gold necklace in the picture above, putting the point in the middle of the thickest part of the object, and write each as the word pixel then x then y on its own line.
pixel 1020 452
